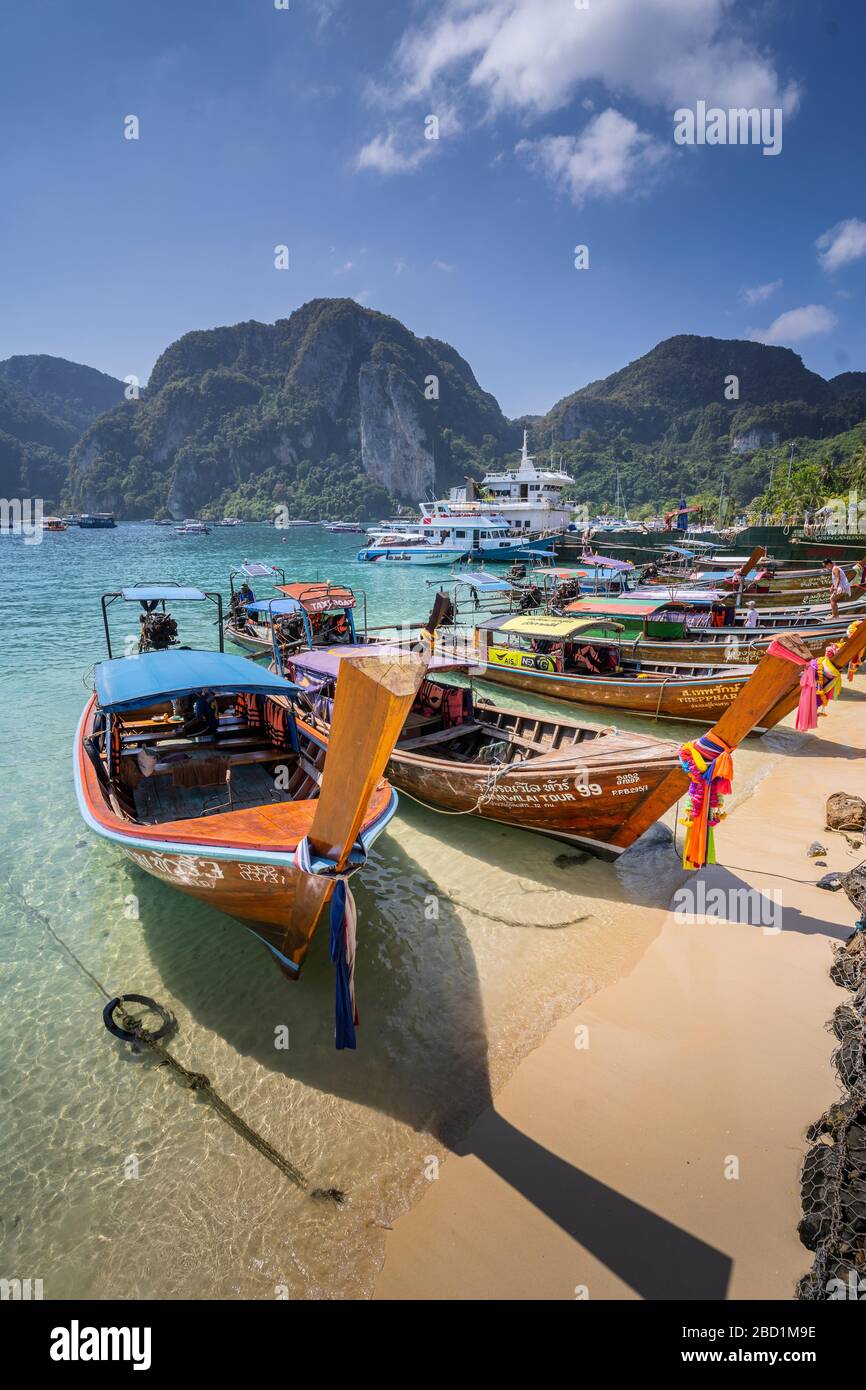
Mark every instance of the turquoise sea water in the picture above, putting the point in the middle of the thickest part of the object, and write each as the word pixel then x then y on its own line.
pixel 473 940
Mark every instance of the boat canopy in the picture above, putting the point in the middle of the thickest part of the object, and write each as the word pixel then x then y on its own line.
pixel 276 605
pixel 147 593
pixel 602 562
pixel 486 582
pixel 621 607
pixel 538 625
pixel 132 681
pixel 545 571
pixel 319 597
pixel 255 569
pixel 324 662
pixel 683 596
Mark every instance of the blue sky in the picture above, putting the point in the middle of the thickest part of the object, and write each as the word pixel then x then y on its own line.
pixel 305 127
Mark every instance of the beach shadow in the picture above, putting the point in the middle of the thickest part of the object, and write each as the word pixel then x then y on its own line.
pixel 422 1044
pixel 422 1051
pixel 744 905
pixel 657 1258
pixel 813 747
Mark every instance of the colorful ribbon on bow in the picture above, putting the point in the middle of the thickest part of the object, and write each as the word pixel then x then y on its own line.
pixel 344 922
pixel 820 683
pixel 856 661
pixel 709 763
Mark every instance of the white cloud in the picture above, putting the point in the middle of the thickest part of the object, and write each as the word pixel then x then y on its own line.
pixel 442 265
pixel 795 325
pixel 842 244
pixel 529 58
pixel 532 56
pixel 610 156
pixel 388 154
pixel 756 294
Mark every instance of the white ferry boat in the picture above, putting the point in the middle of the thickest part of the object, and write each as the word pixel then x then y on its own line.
pixel 443 538
pixel 527 499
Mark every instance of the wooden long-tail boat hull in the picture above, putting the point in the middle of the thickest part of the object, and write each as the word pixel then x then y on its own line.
pixel 698 698
pixel 795 596
pixel 250 639
pixel 775 681
pixel 702 698
pixel 597 788
pixel 250 862
pixel 738 647
pixel 578 792
pixel 798 614
pixel 241 862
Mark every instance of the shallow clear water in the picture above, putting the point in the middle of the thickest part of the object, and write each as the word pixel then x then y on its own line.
pixel 473 940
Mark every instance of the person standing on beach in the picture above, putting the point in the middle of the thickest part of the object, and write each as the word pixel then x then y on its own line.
pixel 839 586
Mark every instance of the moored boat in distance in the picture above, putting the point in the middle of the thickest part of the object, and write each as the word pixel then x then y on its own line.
pixel 408 548
pixel 97 521
pixel 488 539
pixel 192 528
pixel 298 615
pixel 53 523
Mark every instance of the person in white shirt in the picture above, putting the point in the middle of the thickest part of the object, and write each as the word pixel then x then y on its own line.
pixel 839 586
pixel 751 618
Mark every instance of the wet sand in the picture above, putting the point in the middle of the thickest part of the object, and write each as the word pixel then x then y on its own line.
pixel 650 1147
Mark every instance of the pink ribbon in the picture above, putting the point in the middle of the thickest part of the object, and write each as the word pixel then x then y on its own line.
pixel 807 710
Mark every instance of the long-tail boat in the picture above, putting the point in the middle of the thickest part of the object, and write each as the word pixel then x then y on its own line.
pixel 755 577
pixel 555 657
pixel 257 815
pixel 674 630
pixel 300 614
pixel 596 787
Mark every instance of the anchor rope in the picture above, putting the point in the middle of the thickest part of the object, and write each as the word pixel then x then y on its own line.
pixel 196 1081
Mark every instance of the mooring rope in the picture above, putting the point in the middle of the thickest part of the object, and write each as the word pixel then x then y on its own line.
pixel 196 1081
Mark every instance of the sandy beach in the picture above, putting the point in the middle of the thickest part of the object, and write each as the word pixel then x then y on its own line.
pixel 650 1148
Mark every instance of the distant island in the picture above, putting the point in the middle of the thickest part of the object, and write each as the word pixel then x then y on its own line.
pixel 342 411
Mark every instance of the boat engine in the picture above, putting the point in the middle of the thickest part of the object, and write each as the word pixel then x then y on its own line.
pixel 158 632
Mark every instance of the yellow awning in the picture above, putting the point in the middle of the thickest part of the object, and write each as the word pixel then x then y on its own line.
pixel 545 625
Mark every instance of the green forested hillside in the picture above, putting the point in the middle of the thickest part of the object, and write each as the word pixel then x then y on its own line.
pixel 666 426
pixel 45 403
pixel 337 410
pixel 342 411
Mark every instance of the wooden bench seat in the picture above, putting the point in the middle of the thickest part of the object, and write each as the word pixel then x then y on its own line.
pixel 406 745
pixel 250 755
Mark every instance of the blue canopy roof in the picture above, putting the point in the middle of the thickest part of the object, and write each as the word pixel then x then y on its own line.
pixel 483 581
pixel 275 605
pixel 144 592
pixel 128 682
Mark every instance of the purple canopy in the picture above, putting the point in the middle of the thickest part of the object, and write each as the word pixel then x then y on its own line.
pixel 323 663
